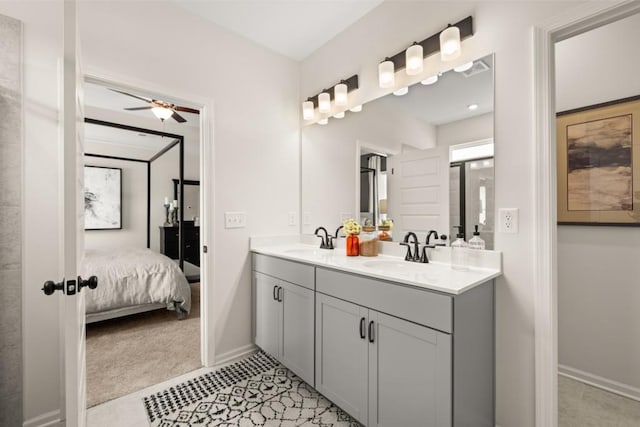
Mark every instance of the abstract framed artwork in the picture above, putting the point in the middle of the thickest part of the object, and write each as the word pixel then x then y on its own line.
pixel 102 198
pixel 599 164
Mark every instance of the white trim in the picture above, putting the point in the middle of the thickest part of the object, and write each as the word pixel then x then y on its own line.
pixel 48 419
pixel 235 355
pixel 577 20
pixel 600 382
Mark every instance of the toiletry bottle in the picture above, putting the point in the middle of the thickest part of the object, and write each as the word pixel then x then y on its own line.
pixel 459 252
pixel 476 242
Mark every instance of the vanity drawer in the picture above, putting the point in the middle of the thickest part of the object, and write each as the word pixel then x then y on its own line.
pixel 289 271
pixel 416 305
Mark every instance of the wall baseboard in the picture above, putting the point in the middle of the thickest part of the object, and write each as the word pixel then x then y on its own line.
pixel 600 382
pixel 235 355
pixel 50 419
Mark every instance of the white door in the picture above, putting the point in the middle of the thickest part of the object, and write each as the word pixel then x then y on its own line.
pixel 73 313
pixel 418 192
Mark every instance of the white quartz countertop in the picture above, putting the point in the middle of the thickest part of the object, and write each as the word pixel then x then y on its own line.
pixel 436 276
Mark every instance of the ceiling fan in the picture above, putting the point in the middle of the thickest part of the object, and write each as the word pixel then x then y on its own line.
pixel 161 109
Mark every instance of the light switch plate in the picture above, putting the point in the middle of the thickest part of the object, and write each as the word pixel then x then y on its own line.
pixel 508 220
pixel 235 220
pixel 306 218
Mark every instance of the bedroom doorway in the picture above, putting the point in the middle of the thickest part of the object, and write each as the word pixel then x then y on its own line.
pixel 142 240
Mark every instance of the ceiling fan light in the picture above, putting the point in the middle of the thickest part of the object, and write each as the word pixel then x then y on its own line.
pixel 340 94
pixel 430 80
pixel 324 103
pixel 386 74
pixel 162 113
pixel 414 59
pixel 450 43
pixel 307 110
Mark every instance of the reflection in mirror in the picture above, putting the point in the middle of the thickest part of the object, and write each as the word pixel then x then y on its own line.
pixel 191 229
pixel 398 151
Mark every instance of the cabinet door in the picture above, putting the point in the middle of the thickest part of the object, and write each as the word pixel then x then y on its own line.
pixel 268 313
pixel 409 374
pixel 341 354
pixel 297 344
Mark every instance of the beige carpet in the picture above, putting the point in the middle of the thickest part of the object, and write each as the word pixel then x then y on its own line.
pixel 130 353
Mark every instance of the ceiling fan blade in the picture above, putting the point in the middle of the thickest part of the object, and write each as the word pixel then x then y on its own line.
pixel 138 108
pixel 186 109
pixel 178 118
pixel 132 95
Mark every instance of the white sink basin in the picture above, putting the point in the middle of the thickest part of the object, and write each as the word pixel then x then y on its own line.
pixel 306 252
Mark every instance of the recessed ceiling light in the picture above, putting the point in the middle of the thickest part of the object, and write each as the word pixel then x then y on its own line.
pixel 430 80
pixel 401 91
pixel 472 107
pixel 463 67
pixel 323 121
pixel 356 109
pixel 339 115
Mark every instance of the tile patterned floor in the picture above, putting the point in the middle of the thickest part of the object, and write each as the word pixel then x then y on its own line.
pixel 581 405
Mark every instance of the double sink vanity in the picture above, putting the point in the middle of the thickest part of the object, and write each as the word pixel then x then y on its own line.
pixel 392 343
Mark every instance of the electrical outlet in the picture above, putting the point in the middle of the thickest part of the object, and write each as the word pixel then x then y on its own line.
pixel 235 220
pixel 292 219
pixel 508 220
pixel 306 218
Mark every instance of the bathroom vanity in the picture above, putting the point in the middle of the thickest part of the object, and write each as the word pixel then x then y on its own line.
pixel 392 343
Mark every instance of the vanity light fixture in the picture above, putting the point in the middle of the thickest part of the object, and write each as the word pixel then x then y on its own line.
pixel 430 80
pixel 447 42
pixel 324 103
pixel 338 93
pixel 307 110
pixel 323 121
pixel 414 59
pixel 356 109
pixel 401 91
pixel 339 115
pixel 450 43
pixel 386 74
pixel 463 67
pixel 472 107
pixel 162 113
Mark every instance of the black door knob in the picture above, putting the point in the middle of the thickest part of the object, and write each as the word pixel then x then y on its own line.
pixel 91 283
pixel 50 287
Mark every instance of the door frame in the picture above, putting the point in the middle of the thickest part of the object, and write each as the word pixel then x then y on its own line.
pixel 207 220
pixel 575 21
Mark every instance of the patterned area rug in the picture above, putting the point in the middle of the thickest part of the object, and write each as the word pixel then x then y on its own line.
pixel 256 391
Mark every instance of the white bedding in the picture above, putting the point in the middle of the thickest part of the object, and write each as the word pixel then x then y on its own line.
pixel 133 276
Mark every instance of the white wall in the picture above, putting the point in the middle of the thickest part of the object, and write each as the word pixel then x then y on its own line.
pixel 598 291
pixel 506 29
pixel 256 153
pixel 467 130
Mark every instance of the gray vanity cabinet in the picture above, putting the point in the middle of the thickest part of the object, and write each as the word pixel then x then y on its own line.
pixel 382 370
pixel 284 313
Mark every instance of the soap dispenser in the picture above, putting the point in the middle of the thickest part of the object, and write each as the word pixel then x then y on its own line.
pixel 476 242
pixel 459 251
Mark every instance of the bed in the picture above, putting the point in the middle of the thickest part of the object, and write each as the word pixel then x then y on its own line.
pixel 133 280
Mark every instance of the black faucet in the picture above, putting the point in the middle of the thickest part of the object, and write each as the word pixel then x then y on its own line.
pixel 325 243
pixel 330 239
pixel 411 256
pixel 424 258
pixel 431 233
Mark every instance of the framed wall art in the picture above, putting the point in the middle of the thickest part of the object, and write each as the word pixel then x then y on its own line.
pixel 102 198
pixel 599 164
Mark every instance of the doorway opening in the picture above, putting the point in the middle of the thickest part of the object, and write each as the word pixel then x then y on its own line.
pixel 144 322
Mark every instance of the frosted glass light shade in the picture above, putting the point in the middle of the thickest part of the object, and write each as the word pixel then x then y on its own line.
pixel 450 44
pixel 324 103
pixel 430 80
pixel 414 59
pixel 356 109
pixel 401 91
pixel 307 110
pixel 323 121
pixel 386 74
pixel 339 115
pixel 340 94
pixel 162 113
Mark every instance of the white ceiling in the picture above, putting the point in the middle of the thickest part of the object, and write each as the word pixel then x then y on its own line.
pixel 293 28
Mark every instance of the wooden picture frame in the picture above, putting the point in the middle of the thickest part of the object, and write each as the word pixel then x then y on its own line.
pixel 102 198
pixel 598 159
